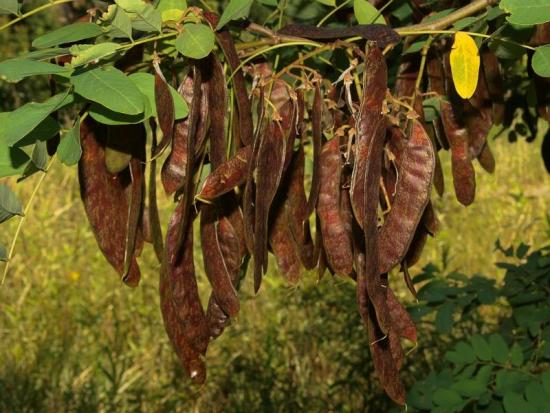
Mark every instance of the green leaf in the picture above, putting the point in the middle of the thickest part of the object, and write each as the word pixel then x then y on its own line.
pixel 514 403
pixel 526 12
pixel 541 61
pixel 483 376
pixel 535 395
pixel 39 156
pixel 546 382
pixel 366 13
pixel 171 9
pixel 3 253
pixel 68 34
pixel 507 381
pixel 446 397
pixel 196 41
pixel 45 54
pixel 110 88
pixel 236 9
pixel 9 204
pixel 499 348
pixel 328 2
pixel 12 160
pixel 9 7
pixel 145 82
pixel 465 351
pixel 69 149
pixel 86 53
pixel 506 50
pixel 13 70
pixel 516 355
pixel 44 131
pixel 432 107
pixel 120 24
pixel 444 319
pixel 469 388
pixel 27 117
pixel 144 16
pixel 415 47
pixel 103 115
pixel 481 348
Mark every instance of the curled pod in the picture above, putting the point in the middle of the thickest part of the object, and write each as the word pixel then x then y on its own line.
pixel 336 240
pixel 184 319
pixel 106 202
pixel 227 175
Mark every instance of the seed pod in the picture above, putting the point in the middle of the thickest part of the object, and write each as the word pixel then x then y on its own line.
pixel 336 242
pixel 316 119
pixel 105 200
pixel 214 263
pixel 174 168
pixel 491 71
pixel 412 195
pixel 227 176
pixel 479 117
pixel 182 312
pixel 486 159
pixel 165 110
pixel 153 212
pixel 217 98
pixel 271 158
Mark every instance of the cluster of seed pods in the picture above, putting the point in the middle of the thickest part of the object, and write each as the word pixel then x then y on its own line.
pixel 362 211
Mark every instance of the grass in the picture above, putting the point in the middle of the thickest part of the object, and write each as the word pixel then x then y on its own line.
pixel 75 339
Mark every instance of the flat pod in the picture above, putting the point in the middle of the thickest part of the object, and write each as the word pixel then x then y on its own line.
pixel 336 240
pixel 493 78
pixel 104 198
pixel 316 119
pixel 215 266
pixel 412 195
pixel 165 110
pixel 401 318
pixel 217 100
pixel 184 318
pixel 227 176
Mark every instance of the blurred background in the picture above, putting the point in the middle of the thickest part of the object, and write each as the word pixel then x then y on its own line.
pixel 73 338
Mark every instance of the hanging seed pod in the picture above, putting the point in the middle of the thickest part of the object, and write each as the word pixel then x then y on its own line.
pixel 184 318
pixel 165 110
pixel 152 210
pixel 105 200
pixel 316 119
pixel 486 159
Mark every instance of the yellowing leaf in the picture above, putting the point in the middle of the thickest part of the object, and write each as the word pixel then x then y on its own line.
pixel 464 59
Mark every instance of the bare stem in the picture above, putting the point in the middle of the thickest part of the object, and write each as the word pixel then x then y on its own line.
pixel 33 12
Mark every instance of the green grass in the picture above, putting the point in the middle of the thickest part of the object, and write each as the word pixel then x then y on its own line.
pixel 75 339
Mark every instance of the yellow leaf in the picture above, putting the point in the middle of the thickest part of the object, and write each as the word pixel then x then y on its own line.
pixel 464 60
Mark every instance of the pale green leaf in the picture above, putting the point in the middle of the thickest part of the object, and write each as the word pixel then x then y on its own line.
pixel 144 16
pixel 68 34
pixel 120 24
pixel 69 149
pixel 366 13
pixel 526 12
pixel 328 2
pixel 12 159
pixel 541 61
pixel 14 70
pixel 45 54
pixel 24 119
pixel 86 53
pixel 9 204
pixel 145 82
pixel 196 41
pixel 3 253
pixel 236 9
pixel 9 7
pixel 171 9
pixel 110 88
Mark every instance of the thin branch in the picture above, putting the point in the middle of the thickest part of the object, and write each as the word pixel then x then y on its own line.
pixel 33 12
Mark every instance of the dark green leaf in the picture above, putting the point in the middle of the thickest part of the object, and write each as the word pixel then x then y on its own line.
pixel 507 49
pixel 45 53
pixel 516 355
pixel 44 131
pixel 24 119
pixel 236 9
pixel 483 376
pixel 108 117
pixel 69 149
pixel 481 348
pixel 444 318
pixel 110 88
pixel 541 61
pixel 508 381
pixel 14 70
pixel 9 204
pixel 446 397
pixel 432 107
pixel 536 396
pixel 196 40
pixel 9 7
pixel 465 351
pixel 469 388
pixel 3 253
pixel 68 34
pixel 499 348
pixel 514 403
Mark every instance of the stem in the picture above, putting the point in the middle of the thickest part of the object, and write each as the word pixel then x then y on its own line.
pixel 33 12
pixel 446 21
pixel 329 14
pixel 149 39
pixel 22 220
pixel 424 54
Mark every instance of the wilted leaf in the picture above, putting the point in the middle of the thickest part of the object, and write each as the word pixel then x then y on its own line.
pixel 68 34
pixel 110 88
pixel 366 13
pixel 464 60
pixel 541 61
pixel 196 40
pixel 236 9
pixel 9 204
pixel 69 149
pixel 13 70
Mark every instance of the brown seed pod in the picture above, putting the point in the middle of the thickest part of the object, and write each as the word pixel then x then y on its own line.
pixel 152 210
pixel 165 110
pixel 414 181
pixel 486 159
pixel 217 98
pixel 316 119
pixel 105 201
pixel 336 241
pixel 401 318
pixel 227 176
pixel 184 318
pixel 493 77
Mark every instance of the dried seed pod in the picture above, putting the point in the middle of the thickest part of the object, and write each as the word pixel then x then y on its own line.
pixel 227 176
pixel 412 195
pixel 105 200
pixel 486 159
pixel 491 72
pixel 153 212
pixel 217 98
pixel 479 117
pixel 401 318
pixel 184 318
pixel 269 169
pixel 336 241
pixel 316 118
pixel 165 110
